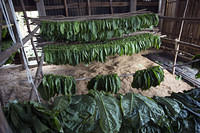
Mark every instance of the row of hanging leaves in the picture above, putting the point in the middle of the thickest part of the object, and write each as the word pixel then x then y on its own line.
pixel 108 83
pixel 97 112
pixel 53 85
pixel 95 30
pixel 146 78
pixel 86 53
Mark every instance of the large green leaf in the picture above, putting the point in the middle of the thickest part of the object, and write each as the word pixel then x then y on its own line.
pixel 139 110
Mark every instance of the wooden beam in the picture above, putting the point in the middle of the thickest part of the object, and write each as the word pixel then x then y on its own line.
pixel 182 43
pixel 30 35
pixel 83 18
pixel 29 30
pixel 133 5
pixel 41 8
pixel 89 7
pixel 8 52
pixel 38 76
pixel 66 8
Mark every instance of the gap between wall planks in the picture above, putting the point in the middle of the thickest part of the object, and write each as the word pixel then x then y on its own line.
pixel 29 30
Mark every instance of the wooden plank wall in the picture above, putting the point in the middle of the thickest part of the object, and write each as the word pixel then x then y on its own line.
pixel 85 7
pixel 191 30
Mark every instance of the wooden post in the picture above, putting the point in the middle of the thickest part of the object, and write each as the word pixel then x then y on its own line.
pixel 179 38
pixel 111 7
pixel 40 7
pixel 66 8
pixel 89 7
pixel 162 12
pixel 29 30
pixel 133 5
pixel 38 76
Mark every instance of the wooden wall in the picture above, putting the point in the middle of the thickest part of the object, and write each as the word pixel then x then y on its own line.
pixel 85 7
pixel 191 29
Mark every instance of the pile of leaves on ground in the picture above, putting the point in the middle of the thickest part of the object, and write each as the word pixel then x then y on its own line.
pixel 98 112
pixel 86 53
pixel 107 83
pixel 146 78
pixel 95 30
pixel 54 85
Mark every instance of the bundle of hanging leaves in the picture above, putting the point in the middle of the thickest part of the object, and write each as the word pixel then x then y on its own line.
pixel 146 78
pixel 95 30
pixel 86 53
pixel 98 112
pixel 53 85
pixel 107 83
pixel 196 65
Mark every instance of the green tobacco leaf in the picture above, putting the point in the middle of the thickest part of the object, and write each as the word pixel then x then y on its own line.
pixel 80 115
pixel 139 110
pixel 109 112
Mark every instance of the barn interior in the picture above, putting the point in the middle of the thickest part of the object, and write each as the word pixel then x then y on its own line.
pixel 100 66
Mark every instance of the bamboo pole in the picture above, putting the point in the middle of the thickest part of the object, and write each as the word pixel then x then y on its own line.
pixel 29 30
pixel 177 45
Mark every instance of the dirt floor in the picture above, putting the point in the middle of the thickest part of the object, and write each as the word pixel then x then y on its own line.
pixel 14 85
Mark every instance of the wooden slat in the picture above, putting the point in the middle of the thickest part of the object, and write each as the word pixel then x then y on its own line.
pixel 93 17
pixel 89 7
pixel 55 7
pixel 139 3
pixel 66 8
pixel 98 4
